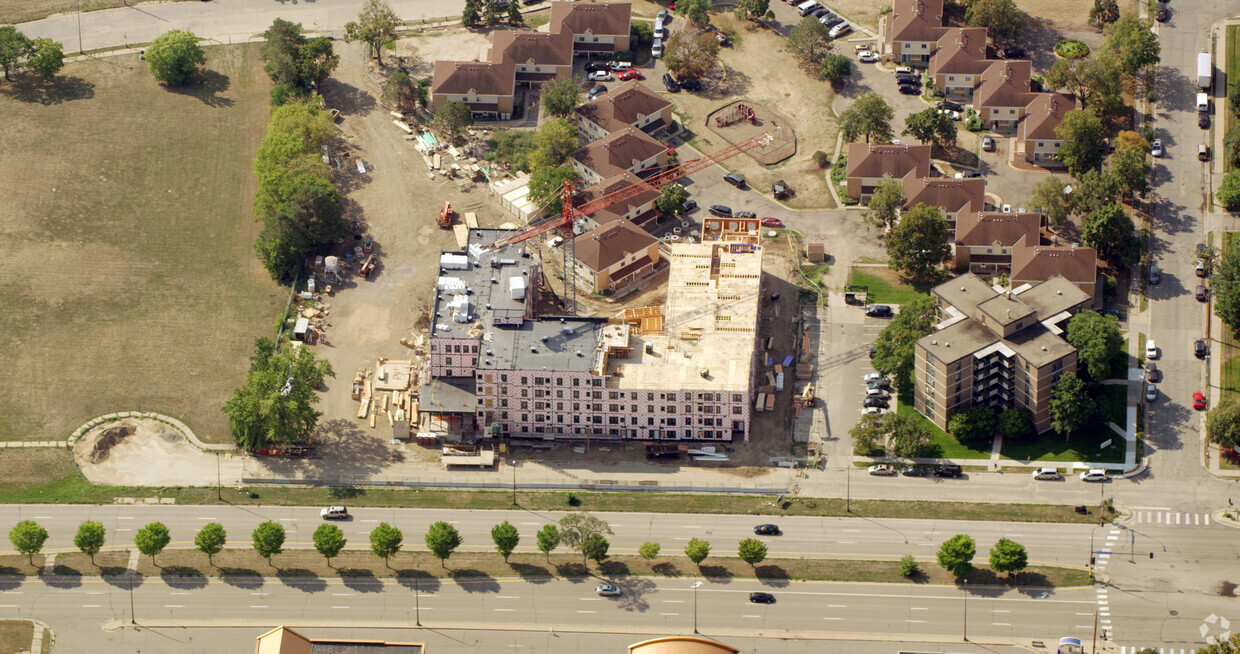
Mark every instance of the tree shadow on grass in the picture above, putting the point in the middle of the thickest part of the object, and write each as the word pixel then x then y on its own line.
pixel 361 580
pixel 614 569
pixel 302 579
pixel 535 574
pixel 667 569
pixel 772 575
pixel 717 573
pixel 474 581
pixel 29 88
pixel 207 85
pixel 241 577
pixel 419 580
pixel 183 577
pixel 571 571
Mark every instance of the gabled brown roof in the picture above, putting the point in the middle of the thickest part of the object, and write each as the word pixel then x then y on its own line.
pixel 916 20
pixel 1044 114
pixel 617 152
pixel 623 107
pixel 611 185
pixel 607 244
pixel 598 18
pixel 960 51
pixel 949 194
pixel 996 228
pixel 874 160
pixel 481 77
pixel 532 48
pixel 1035 264
pixel 1005 84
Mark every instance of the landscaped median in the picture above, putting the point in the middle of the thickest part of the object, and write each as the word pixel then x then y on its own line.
pixel 306 566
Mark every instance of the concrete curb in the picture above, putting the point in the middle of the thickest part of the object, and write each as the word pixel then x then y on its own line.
pixel 1221 518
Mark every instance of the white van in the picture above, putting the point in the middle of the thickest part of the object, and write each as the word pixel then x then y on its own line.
pixel 806 7
pixel 1203 102
pixel 839 30
pixel 334 513
pixel 621 65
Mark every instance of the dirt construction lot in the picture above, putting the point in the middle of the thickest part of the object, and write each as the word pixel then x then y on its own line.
pixel 130 279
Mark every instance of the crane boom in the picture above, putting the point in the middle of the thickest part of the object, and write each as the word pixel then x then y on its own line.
pixel 569 214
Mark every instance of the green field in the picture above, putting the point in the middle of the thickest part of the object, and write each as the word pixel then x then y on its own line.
pixel 131 280
pixel 1228 346
pixel 885 286
pixel 1083 446
pixel 1232 68
pixel 948 446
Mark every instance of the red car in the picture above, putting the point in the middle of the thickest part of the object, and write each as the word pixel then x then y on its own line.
pixel 1199 400
pixel 630 74
pixel 772 222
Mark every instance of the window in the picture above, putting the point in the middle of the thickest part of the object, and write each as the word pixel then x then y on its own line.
pixel 951 78
pixel 448 361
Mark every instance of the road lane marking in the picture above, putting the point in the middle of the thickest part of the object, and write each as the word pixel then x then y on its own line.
pixel 1000 611
pixel 1153 508
pixel 288 519
pixel 1084 613
pixel 174 606
pixel 124 517
pixel 43 517
pixel 918 608
pixel 206 518
pixel 342 594
pixel 850 530
pixel 1206 518
pixel 674 601
pixel 1002 624
pixel 368 521
pixel 340 607
pixel 751 616
pixel 90 606
pixel 914 620
pixel 257 606
pixel 587 611
pixel 122 530
pixel 95 592
pixel 8 606
pixel 669 614
pixel 691 527
pixel 845 542
pixel 591 599
pixel 837 606
pixel 833 618
pixel 507 597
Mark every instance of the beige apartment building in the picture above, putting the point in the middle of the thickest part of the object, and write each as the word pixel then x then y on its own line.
pixel 996 347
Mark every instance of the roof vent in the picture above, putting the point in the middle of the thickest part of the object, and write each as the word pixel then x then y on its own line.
pixel 1058 292
pixel 544 339
pixel 933 342
pixel 1043 348
pixel 489 353
pixel 579 353
pixel 704 372
pixel 533 349
pixel 494 280
pixel 947 344
pixel 962 290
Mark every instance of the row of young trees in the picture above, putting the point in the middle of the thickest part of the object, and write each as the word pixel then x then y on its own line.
pixel 956 554
pixel 490 12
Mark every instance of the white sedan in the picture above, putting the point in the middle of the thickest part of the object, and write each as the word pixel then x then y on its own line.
pixel 601 76
pixel 882 470
pixel 1151 349
pixel 954 115
pixel 867 57
pixel 1156 149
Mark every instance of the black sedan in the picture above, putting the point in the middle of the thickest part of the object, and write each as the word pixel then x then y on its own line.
pixel 876 402
pixel 1199 348
pixel 948 470
pixel 670 84
pixel 1013 52
pixel 766 529
pixel 914 471
pixel 909 89
pixel 878 311
pixel 688 206
pixel 762 598
pixel 950 106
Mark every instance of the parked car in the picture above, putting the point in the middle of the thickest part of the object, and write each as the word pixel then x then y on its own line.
pixel 664 16
pixel 1199 400
pixel 745 214
pixel 691 84
pixel 601 76
pixel 948 470
pixel 1203 119
pixel 772 222
pixel 766 529
pixel 1162 15
pixel 881 470
pixel 656 49
pixel 876 392
pixel 909 89
pixel 630 74
pixel 595 92
pixel 818 13
pixel 904 70
pixel 908 79
pixel 1013 52
pixel 1152 373
pixel 1151 392
pixel 1095 474
pixel 862 46
pixel 872 377
pixel 1203 152
pixel 670 84
pixel 721 210
pixel 1199 348
pixel 831 21
pixel 988 143
pixel 915 471
pixel 876 402
pixel 1155 275
pixel 688 206
pixel 878 311
pixel 840 30
pixel 1151 349
pixel 946 104
pixel 967 174
pixel 334 513
pixel 1203 293
pixel 954 115
pixel 1156 150
pixel 761 598
pixel 867 57
pixel 607 590
pixel 593 66
pixel 871 411
pixel 1046 474
pixel 735 180
pixel 879 383
pixel 1200 269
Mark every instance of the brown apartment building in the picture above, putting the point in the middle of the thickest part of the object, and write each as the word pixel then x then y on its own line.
pixel 632 104
pixel 613 255
pixel 487 87
pixel 958 62
pixel 1004 94
pixel 870 163
pixel 996 347
pixel 638 209
pixel 595 26
pixel 985 239
pixel 537 57
pixel 912 30
pixel 952 196
pixel 1037 138
pixel 629 149
pixel 1075 264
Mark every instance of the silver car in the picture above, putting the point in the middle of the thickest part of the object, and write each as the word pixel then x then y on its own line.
pixel 607 590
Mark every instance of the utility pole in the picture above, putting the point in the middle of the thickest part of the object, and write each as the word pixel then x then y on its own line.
pixel 219 489
pixel 848 488
pixel 81 50
pixel 695 587
pixel 514 481
pixel 1094 646
pixel 964 628
pixel 417 608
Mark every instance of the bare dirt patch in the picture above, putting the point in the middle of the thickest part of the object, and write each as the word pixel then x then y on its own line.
pixel 131 279
pixel 108 439
pixel 150 453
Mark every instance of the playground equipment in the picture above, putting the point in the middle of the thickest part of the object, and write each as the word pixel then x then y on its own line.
pixel 737 112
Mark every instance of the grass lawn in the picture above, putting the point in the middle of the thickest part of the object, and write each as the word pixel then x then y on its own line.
pixel 48 476
pixel 1082 446
pixel 1232 67
pixel 1112 401
pixel 15 636
pixel 132 280
pixel 885 285
pixel 948 446
pixel 1230 350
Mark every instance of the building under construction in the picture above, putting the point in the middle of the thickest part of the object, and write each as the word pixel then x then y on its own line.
pixel 680 371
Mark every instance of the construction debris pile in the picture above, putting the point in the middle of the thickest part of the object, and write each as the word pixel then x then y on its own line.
pixel 389 389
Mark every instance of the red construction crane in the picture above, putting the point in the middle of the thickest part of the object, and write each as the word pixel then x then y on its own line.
pixel 570 214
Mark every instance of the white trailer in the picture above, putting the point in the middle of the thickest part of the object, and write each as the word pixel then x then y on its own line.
pixel 1205 71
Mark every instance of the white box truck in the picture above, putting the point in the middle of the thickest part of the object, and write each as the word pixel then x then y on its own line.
pixel 1205 71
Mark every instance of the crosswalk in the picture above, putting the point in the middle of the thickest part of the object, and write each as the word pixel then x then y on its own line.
pixel 1172 518
pixel 1161 650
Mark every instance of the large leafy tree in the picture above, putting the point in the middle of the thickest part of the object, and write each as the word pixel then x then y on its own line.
pixel 835 68
pixel 1071 407
pixel 1109 229
pixel 1008 556
pixel 694 10
pixel 751 551
pixel 547 184
pixel 506 537
pixel 868 116
pixel 697 550
pixel 1016 424
pixel 329 540
pixel 277 402
pixel 691 55
pixel 752 9
pixel 1002 18
pixel 385 541
pixel 555 140
pixel 1228 193
pixel 1104 12
pixel 1049 198
pixel 867 435
pixel 956 554
pixel 561 97
pixel 809 41
pixel 575 529
pixel 893 352
pixel 210 540
pixel 548 539
pixel 930 126
pixel 1081 131
pixel 28 537
pixel 1093 189
pixel 1132 43
pixel 1223 423
pixel 47 57
pixel 1231 143
pixel 89 538
pixel 972 425
pixel 1096 81
pixel 910 437
pixel 152 539
pixel 595 548
pixel 885 203
pixel 268 539
pixel 375 25
pixel 1226 287
pixel 13 47
pixel 1132 170
pixel 452 119
pixel 649 550
pixel 671 198
pixel 293 61
pixel 173 57
pixel 1097 341
pixel 442 539
pixel 919 243
pixel 402 91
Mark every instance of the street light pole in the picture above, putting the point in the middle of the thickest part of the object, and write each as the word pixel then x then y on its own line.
pixel 848 488
pixel 81 50
pixel 219 489
pixel 417 609
pixel 695 587
pixel 964 628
